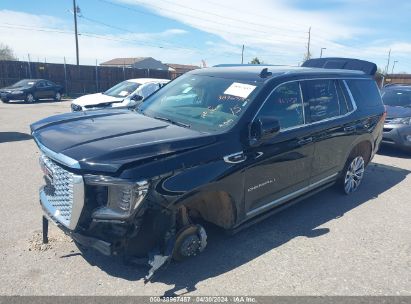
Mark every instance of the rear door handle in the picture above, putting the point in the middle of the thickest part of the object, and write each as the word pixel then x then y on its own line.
pixel 305 141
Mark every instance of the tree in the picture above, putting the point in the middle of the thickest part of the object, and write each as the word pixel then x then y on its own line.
pixel 6 53
pixel 256 61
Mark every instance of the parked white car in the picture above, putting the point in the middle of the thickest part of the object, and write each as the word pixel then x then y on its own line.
pixel 126 94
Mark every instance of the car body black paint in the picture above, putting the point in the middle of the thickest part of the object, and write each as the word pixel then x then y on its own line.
pixel 181 163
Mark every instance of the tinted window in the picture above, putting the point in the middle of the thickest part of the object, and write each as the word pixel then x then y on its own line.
pixel 322 99
pixel 285 105
pixel 50 84
pixel 365 92
pixel 343 98
pixel 40 84
pixel 397 97
pixel 24 83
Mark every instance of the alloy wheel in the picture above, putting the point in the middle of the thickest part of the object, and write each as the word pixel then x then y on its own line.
pixel 57 97
pixel 30 98
pixel 354 175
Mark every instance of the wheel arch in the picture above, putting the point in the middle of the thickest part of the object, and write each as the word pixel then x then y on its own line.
pixel 212 205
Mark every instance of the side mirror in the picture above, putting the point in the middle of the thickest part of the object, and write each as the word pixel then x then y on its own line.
pixel 262 129
pixel 137 98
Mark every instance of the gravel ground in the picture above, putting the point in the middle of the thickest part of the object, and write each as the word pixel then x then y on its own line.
pixel 329 244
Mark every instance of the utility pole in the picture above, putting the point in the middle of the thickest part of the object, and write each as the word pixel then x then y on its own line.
pixel 75 28
pixel 392 71
pixel 309 44
pixel 388 62
pixel 321 53
pixel 242 55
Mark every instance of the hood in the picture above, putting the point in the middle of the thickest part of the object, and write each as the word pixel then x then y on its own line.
pixel 15 88
pixel 94 99
pixel 398 112
pixel 103 141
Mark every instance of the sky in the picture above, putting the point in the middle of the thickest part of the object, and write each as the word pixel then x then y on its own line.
pixel 213 31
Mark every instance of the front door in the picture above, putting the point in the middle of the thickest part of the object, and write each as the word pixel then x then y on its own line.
pixel 280 168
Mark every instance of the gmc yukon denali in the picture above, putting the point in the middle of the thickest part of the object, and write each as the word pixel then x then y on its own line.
pixel 227 145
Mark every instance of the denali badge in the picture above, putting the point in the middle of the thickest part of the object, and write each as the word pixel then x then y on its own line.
pixel 270 181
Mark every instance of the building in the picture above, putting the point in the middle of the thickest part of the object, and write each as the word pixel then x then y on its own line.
pixel 136 63
pixel 179 69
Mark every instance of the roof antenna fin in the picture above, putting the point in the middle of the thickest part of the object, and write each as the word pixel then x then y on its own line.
pixel 265 73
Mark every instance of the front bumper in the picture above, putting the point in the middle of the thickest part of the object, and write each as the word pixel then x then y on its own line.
pixel 52 214
pixel 397 135
pixel 10 96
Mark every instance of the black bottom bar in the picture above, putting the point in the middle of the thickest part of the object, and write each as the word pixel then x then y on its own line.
pixel 45 230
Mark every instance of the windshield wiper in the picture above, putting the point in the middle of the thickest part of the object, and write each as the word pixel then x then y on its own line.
pixel 177 123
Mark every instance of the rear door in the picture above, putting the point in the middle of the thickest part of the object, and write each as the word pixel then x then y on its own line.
pixel 50 90
pixel 280 168
pixel 328 109
pixel 40 90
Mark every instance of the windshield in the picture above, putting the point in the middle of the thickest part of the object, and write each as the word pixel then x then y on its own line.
pixel 203 103
pixel 24 83
pixel 399 97
pixel 123 89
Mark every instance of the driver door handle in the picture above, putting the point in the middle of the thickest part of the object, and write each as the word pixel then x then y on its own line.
pixel 235 158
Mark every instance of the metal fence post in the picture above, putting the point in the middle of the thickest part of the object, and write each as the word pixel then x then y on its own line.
pixel 65 77
pixel 28 62
pixel 97 90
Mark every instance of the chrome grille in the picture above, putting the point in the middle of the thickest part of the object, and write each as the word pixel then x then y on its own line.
pixel 58 189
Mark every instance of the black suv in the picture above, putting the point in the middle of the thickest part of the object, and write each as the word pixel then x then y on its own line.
pixel 226 145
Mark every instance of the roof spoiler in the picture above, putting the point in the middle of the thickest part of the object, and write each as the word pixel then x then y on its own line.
pixel 367 67
pixel 225 65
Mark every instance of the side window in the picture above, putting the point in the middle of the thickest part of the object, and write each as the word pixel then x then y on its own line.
pixel 50 84
pixel 364 92
pixel 322 99
pixel 343 98
pixel 40 84
pixel 285 105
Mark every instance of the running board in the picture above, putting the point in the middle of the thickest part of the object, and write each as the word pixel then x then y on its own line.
pixel 281 207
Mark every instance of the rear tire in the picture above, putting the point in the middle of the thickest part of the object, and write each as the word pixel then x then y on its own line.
pixel 5 100
pixel 352 174
pixel 57 96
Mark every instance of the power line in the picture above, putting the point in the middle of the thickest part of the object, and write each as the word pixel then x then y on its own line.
pixel 93 35
pixel 265 26
pixel 128 31
pixel 197 18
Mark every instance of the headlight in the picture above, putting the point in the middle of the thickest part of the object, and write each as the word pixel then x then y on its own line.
pixel 17 92
pixel 118 198
pixel 401 121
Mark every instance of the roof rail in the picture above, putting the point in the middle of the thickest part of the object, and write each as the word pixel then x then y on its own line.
pixel 367 67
